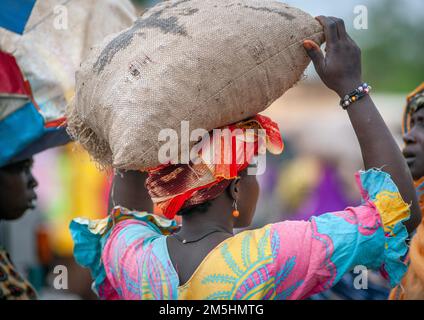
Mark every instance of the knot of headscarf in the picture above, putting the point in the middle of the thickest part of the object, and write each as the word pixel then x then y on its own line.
pixel 174 187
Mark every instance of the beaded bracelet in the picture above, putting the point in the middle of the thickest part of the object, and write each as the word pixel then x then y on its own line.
pixel 355 95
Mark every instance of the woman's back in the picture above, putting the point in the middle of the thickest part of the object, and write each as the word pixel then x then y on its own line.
pixel 130 258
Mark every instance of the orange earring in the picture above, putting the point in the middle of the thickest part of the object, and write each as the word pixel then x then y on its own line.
pixel 236 213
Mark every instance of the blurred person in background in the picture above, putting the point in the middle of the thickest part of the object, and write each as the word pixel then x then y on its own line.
pixel 310 186
pixel 35 36
pixel 412 285
pixel 17 195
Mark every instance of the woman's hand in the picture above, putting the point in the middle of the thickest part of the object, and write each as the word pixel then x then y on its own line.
pixel 340 69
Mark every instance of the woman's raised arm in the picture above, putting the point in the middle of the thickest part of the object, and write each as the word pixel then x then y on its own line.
pixel 340 70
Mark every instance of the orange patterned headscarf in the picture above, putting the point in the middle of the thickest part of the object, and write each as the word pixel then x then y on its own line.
pixel 175 187
pixel 412 100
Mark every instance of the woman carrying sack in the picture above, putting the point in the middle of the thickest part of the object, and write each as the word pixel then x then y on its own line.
pixel 138 255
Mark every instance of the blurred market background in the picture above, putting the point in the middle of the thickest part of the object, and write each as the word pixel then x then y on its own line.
pixel 314 175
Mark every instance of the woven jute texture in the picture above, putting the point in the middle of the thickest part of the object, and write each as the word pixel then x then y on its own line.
pixel 211 63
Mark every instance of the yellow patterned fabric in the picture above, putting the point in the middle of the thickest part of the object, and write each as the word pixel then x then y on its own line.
pixel 12 285
pixel 229 265
pixel 392 209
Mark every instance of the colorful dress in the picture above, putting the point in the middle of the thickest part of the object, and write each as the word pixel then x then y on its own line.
pixel 128 256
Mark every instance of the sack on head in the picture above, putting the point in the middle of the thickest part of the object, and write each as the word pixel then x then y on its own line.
pixel 211 63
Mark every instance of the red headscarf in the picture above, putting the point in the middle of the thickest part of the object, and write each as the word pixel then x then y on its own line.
pixel 175 187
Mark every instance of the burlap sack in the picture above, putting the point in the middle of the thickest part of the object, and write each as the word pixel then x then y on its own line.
pixel 208 62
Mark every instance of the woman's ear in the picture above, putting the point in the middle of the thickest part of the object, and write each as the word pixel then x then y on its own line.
pixel 234 190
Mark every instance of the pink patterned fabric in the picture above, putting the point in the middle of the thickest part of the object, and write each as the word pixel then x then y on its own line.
pixel 299 262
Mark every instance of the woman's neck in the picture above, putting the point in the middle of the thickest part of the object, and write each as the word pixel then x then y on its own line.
pixel 217 217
